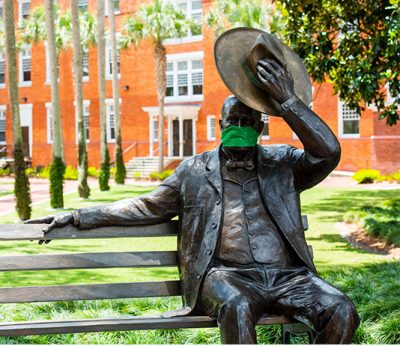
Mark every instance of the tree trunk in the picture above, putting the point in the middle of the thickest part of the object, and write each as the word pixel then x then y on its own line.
pixel 120 171
pixel 57 167
pixel 161 78
pixel 104 175
pixel 21 182
pixel 83 187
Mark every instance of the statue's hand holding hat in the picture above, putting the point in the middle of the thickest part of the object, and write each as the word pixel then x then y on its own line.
pixel 258 68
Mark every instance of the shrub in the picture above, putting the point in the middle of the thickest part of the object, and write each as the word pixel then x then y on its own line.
pixel 30 172
pixel 366 176
pixel 5 172
pixel 160 176
pixel 396 177
pixel 71 173
pixel 57 169
pixel 104 175
pixel 44 173
pixel 93 172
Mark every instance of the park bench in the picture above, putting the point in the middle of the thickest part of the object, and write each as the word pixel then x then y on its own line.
pixel 103 291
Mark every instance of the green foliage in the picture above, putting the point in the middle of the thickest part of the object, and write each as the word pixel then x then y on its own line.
pixel 21 187
pixel 158 20
pixel 160 176
pixel 56 174
pixel 228 14
pixel 120 170
pixel 30 172
pixel 366 176
pixel 104 174
pixel 382 220
pixel 5 171
pixel 353 44
pixel 70 173
pixel 44 173
pixel 93 172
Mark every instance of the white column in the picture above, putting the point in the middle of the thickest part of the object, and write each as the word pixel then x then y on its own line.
pixel 151 135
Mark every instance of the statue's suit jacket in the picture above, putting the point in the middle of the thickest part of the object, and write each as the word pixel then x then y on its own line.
pixel 195 193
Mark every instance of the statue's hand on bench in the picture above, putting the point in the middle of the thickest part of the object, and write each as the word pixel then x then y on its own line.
pixel 53 221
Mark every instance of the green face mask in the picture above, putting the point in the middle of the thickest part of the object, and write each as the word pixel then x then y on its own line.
pixel 236 136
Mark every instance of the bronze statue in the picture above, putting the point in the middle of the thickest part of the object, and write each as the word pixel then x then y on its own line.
pixel 241 244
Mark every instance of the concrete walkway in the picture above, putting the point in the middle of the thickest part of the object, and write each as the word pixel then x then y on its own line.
pixel 40 188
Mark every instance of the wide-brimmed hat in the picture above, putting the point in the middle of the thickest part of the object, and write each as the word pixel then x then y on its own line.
pixel 236 53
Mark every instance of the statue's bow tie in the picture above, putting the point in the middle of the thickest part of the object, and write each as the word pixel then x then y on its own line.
pixel 246 164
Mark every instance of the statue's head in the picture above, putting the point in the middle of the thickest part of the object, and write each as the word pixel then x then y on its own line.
pixel 240 125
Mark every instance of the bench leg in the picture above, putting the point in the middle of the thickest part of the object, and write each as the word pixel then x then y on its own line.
pixel 296 328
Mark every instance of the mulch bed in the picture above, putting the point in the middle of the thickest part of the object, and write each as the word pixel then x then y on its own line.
pixel 359 238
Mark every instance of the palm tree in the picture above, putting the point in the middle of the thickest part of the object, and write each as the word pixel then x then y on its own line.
pixel 57 167
pixel 83 187
pixel 227 14
pixel 21 182
pixel 157 21
pixel 120 171
pixel 104 175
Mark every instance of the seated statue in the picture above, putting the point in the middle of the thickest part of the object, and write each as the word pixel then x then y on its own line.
pixel 241 245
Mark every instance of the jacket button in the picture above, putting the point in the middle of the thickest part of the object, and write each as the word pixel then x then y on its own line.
pixel 218 202
pixel 199 276
pixel 214 225
pixel 254 247
pixel 209 252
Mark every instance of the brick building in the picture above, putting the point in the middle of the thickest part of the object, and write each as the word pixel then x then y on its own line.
pixel 195 95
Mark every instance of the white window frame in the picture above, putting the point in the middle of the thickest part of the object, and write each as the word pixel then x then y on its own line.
pixel 109 59
pixel 20 5
pixel 85 51
pixel 210 136
pixel 3 116
pixel 154 128
pixel 266 119
pixel 49 122
pixel 341 120
pixel 110 102
pixel 107 10
pixel 86 106
pixel 80 3
pixel 189 37
pixel 3 60
pixel 1 10
pixel 188 57
pixel 23 50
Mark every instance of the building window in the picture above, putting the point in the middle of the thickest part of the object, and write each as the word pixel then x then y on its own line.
pixel 83 5
pixel 25 62
pixel 184 79
pixel 48 73
pixel 85 63
pixel 116 7
pixel 49 117
pixel 349 121
pixel 1 9
pixel 110 117
pixel 194 10
pixel 265 133
pixel 2 124
pixel 2 69
pixel 86 122
pixel 211 129
pixel 24 10
pixel 109 60
pixel 155 130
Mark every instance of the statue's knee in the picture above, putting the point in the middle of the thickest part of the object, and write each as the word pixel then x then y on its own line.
pixel 237 305
pixel 346 311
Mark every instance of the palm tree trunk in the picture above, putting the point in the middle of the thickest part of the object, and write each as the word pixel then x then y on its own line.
pixel 21 182
pixel 161 78
pixel 104 175
pixel 83 187
pixel 120 171
pixel 57 167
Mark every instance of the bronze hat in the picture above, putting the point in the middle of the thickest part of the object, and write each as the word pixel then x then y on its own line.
pixel 236 53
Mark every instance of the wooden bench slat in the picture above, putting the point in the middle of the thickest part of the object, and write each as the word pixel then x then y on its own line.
pixel 119 324
pixel 88 260
pixel 88 292
pixel 34 231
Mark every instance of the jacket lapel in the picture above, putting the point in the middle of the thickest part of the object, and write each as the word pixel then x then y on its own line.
pixel 213 171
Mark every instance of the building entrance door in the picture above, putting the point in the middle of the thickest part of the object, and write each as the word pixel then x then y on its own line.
pixel 25 140
pixel 182 137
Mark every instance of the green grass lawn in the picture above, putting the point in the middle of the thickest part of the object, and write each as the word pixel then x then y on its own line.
pixel 372 281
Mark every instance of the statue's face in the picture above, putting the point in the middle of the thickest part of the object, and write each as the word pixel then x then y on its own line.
pixel 235 113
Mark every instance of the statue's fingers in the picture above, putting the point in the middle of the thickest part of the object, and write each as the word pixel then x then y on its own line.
pixel 263 72
pixel 50 227
pixel 264 80
pixel 277 67
pixel 45 219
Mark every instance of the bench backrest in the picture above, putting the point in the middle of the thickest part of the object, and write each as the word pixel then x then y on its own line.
pixel 89 261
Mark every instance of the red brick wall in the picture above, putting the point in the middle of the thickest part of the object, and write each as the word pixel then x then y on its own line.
pixel 376 147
